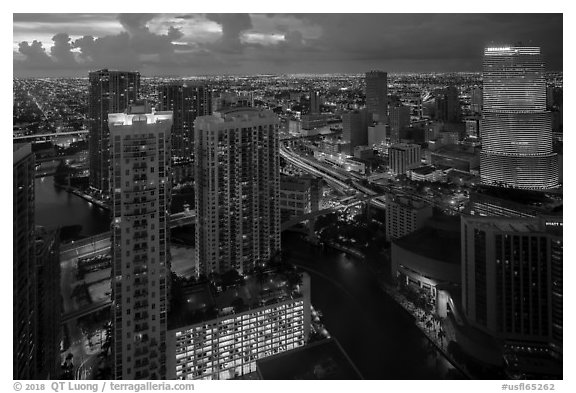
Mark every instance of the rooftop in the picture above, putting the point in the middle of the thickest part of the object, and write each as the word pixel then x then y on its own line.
pixel 324 360
pixel 444 230
pixel 424 170
pixel 205 301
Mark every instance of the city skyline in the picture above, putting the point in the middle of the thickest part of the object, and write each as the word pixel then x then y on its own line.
pixel 69 45
pixel 362 224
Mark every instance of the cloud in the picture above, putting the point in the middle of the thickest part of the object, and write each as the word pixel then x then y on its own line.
pixel 61 51
pixel 242 43
pixel 35 54
pixel 233 25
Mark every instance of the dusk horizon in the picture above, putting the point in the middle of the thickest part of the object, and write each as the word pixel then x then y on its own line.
pixel 71 45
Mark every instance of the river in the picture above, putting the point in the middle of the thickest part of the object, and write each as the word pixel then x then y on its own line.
pixel 378 335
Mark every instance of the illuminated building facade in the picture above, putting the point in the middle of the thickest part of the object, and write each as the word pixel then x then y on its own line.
pixel 241 330
pixel 108 92
pixel 237 173
pixel 140 240
pixel 512 279
pixel 377 95
pixel 516 128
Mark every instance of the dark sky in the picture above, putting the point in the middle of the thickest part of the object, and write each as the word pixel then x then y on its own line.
pixel 199 44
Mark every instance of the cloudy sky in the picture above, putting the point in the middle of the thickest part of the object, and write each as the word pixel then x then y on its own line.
pixel 200 44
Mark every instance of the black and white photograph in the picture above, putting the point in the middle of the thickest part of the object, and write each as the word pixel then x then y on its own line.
pixel 286 197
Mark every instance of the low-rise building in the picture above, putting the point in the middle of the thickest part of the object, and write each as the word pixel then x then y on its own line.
pixel 427 173
pixel 221 333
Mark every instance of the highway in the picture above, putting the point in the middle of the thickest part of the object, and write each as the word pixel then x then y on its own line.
pixel 342 182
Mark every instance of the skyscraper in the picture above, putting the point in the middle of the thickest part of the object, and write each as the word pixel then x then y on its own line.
pixel 516 128
pixel 36 278
pixel 448 108
pixel 314 102
pixel 399 118
pixel 377 95
pixel 237 176
pixel 140 240
pixel 512 279
pixel 48 302
pixel 355 128
pixel 25 329
pixel 186 102
pixel 109 92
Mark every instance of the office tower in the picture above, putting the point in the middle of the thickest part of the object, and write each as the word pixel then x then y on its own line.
pixel 314 102
pixel 299 195
pixel 512 279
pixel 403 156
pixel 108 92
pixel 448 105
pixel 237 172
pixel 516 128
pixel 140 240
pixel 404 215
pixel 377 95
pixel 355 128
pixel 186 101
pixel 260 318
pixel 48 302
pixel 24 322
pixel 399 118
pixel 476 100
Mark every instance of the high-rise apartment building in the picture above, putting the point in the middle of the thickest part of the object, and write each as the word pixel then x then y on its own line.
pixel 186 101
pixel 404 156
pixel 404 215
pixel 377 95
pixel 355 128
pixel 140 240
pixel 237 172
pixel 109 92
pixel 516 128
pixel 24 320
pixel 512 279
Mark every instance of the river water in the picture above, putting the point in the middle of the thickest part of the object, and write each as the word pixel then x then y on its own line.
pixel 377 334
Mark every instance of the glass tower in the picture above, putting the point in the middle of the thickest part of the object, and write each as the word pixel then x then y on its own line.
pixel 516 128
